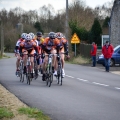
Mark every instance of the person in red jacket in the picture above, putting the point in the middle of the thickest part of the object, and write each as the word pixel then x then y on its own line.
pixel 107 51
pixel 93 54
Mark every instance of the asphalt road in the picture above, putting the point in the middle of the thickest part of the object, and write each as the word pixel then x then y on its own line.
pixel 87 93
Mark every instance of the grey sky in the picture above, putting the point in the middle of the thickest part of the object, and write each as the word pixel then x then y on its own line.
pixel 36 4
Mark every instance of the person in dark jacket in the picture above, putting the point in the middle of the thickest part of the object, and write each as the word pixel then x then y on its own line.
pixel 107 51
pixel 93 54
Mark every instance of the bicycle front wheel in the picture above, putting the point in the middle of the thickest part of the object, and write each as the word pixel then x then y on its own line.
pixel 21 71
pixel 50 79
pixel 28 76
pixel 59 75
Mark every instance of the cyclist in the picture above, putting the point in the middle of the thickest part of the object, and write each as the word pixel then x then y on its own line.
pixel 49 46
pixel 63 49
pixel 40 40
pixel 28 47
pixel 17 51
pixel 33 37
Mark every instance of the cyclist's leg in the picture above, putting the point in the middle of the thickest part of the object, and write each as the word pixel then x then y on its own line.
pixel 41 65
pixel 32 62
pixel 25 56
pixel 44 66
pixel 17 63
pixel 38 65
pixel 63 62
pixel 54 65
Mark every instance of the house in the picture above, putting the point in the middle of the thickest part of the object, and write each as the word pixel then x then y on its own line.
pixel 115 24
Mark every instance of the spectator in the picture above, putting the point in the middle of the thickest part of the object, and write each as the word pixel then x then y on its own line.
pixel 107 51
pixel 93 54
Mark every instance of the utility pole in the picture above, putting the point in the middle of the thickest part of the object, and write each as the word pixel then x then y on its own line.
pixel 66 23
pixel 20 27
pixel 2 38
pixel 109 30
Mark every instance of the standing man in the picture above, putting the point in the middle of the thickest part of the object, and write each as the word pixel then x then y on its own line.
pixel 107 51
pixel 93 54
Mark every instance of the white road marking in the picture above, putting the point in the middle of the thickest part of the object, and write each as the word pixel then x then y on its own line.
pixel 69 76
pixel 92 82
pixel 82 79
pixel 117 88
pixel 100 84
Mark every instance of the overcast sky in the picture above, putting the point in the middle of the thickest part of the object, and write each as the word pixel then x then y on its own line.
pixel 36 4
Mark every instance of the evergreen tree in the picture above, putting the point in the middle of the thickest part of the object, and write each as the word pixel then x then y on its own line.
pixel 105 23
pixel 38 27
pixel 96 32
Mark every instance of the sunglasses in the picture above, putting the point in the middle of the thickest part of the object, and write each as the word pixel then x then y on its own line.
pixel 39 36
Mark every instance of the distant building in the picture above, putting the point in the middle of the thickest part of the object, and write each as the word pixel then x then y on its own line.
pixel 115 24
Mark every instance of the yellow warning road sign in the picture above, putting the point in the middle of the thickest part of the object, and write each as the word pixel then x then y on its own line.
pixel 75 38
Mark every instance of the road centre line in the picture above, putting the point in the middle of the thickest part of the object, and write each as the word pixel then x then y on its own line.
pixel 69 76
pixel 100 84
pixel 117 88
pixel 82 79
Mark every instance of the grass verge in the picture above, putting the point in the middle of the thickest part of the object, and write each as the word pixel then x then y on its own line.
pixel 33 113
pixel 5 113
pixel 4 56
pixel 80 60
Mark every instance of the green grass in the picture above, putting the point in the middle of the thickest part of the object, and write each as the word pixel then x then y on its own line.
pixel 33 113
pixel 5 113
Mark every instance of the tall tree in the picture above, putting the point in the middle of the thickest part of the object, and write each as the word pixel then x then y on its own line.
pixel 38 27
pixel 105 23
pixel 96 32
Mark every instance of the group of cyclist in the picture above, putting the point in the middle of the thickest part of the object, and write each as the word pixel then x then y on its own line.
pixel 32 44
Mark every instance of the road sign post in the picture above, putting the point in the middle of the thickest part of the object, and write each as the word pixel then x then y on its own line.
pixel 75 40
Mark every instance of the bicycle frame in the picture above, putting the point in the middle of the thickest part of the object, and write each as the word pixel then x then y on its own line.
pixel 28 72
pixel 21 75
pixel 59 70
pixel 49 74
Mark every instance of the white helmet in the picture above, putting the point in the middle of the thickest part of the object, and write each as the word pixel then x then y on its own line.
pixel 59 35
pixel 23 35
pixel 28 37
pixel 32 34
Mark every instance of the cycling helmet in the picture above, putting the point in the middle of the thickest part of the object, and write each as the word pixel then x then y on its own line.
pixel 59 35
pixel 52 35
pixel 23 35
pixel 39 34
pixel 28 37
pixel 32 34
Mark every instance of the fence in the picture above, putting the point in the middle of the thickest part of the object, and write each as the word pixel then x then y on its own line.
pixel 85 50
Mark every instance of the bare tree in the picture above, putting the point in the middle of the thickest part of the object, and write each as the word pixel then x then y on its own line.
pixel 103 11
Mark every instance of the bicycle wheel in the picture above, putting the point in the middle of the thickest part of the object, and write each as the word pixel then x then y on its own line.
pixel 21 71
pixel 28 75
pixel 23 76
pixel 50 75
pixel 46 78
pixel 61 77
pixel 59 74
pixel 49 80
pixel 35 70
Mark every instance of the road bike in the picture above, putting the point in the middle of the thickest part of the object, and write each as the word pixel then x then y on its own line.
pixel 28 69
pixel 59 69
pixel 21 75
pixel 49 72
